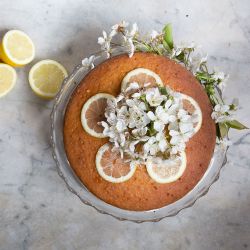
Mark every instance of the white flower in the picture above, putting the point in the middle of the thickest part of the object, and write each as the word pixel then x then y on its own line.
pixel 132 145
pixel 161 118
pixel 195 62
pixel 121 27
pixel 221 78
pixel 221 113
pixel 131 47
pixel 162 142
pixel 123 114
pixel 181 131
pixel 151 146
pixel 120 125
pixel 104 41
pixel 140 132
pixel 138 118
pixel 132 86
pixel 154 97
pixel 88 62
pixel 135 103
pixel 175 149
pixel 154 34
pixel 128 39
pixel 155 144
pixel 183 47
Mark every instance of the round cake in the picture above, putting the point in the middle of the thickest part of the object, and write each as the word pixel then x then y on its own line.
pixel 140 192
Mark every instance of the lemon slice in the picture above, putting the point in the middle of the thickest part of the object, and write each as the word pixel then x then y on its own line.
pixel 46 77
pixel 17 49
pixel 167 172
pixel 7 79
pixel 111 166
pixel 93 112
pixel 141 76
pixel 193 108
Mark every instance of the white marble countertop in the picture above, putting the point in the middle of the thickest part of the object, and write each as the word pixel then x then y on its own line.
pixel 37 210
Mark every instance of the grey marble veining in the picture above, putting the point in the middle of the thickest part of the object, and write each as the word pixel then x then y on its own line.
pixel 37 211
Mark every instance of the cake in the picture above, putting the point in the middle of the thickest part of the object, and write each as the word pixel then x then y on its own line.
pixel 140 192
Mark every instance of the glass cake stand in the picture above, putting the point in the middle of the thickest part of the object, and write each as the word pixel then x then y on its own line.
pixel 77 187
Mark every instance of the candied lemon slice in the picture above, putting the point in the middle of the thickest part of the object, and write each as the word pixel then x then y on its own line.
pixel 193 108
pixel 93 112
pixel 141 76
pixel 168 171
pixel 111 166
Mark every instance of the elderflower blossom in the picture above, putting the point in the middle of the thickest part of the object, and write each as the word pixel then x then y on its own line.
pixel 146 124
pixel 195 62
pixel 128 39
pixel 121 27
pixel 222 113
pixel 154 34
pixel 182 48
pixel 88 62
pixel 127 36
pixel 221 79
pixel 104 41
pixel 157 116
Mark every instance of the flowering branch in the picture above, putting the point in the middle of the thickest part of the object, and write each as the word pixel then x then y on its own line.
pixel 162 43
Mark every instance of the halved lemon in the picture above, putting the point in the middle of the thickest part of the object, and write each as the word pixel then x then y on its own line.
pixel 167 172
pixel 111 166
pixel 93 112
pixel 193 108
pixel 7 79
pixel 17 49
pixel 141 76
pixel 46 77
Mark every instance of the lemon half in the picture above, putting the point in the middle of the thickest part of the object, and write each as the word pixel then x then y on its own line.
pixel 46 77
pixel 7 79
pixel 17 49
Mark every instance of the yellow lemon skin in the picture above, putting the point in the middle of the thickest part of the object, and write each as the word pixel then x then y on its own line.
pixel 12 42
pixel 8 79
pixel 5 58
pixel 46 77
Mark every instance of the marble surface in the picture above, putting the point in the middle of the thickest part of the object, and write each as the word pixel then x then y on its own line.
pixel 37 211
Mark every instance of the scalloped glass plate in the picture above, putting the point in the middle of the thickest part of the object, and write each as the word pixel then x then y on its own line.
pixel 78 188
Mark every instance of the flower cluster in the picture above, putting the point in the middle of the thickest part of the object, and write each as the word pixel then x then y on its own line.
pixel 148 123
pixel 127 38
pixel 162 43
pixel 223 112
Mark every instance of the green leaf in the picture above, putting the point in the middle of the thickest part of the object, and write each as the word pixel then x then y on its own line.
pixel 223 130
pixel 143 98
pixel 236 125
pixel 168 36
pixel 181 57
pixel 165 45
pixel 163 90
pixel 151 129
